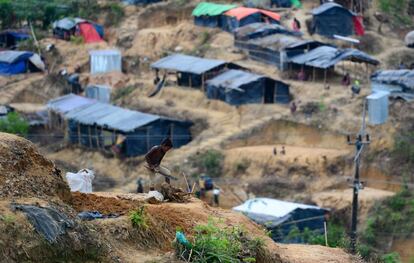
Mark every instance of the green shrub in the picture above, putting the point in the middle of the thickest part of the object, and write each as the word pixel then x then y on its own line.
pixel 14 123
pixel 393 257
pixel 213 244
pixel 242 166
pixel 115 14
pixel 209 162
pixel 138 218
pixel 77 40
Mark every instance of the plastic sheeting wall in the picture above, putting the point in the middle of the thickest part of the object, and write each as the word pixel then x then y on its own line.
pixel 100 93
pixel 334 22
pixel 378 108
pixel 105 61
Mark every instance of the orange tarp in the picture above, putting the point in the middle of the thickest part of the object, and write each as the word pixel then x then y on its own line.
pixel 241 12
pixel 89 33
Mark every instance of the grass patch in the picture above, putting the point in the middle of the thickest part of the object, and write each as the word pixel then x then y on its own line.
pixel 138 218
pixel 241 166
pixel 214 244
pixel 15 124
pixel 123 92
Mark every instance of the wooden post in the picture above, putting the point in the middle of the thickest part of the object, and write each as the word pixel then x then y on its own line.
pixel 97 137
pixel 148 138
pixel 79 135
pixel 313 73
pixel 172 132
pixel 325 78
pixel 326 233
pixel 202 82
pixel 89 136
pixel 189 81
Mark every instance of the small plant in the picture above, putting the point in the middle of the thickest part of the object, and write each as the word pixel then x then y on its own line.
pixel 115 14
pixel 393 257
pixel 15 124
pixel 138 218
pixel 242 166
pixel 214 244
pixel 77 40
pixel 8 219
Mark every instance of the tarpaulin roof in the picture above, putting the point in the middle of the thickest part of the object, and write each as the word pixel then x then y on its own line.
pixel 327 6
pixel 271 207
pixel 233 79
pixel 263 29
pixel 280 42
pixel 327 56
pixel 112 117
pixel 67 23
pixel 242 12
pixel 16 34
pixel 185 63
pixel 68 102
pixel 14 56
pixel 211 9
pixel 403 77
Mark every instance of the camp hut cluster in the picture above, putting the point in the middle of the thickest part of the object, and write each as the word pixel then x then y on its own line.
pixel 237 87
pixel 276 49
pixel 231 17
pixel 9 38
pixel 331 19
pixel 191 71
pixel 103 126
pixel 280 217
pixel 18 62
pixel 65 28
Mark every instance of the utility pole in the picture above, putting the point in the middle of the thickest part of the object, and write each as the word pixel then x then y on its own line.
pixel 360 141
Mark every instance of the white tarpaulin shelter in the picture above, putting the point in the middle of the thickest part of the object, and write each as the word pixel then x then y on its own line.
pixel 378 108
pixel 81 181
pixel 104 61
pixel 272 211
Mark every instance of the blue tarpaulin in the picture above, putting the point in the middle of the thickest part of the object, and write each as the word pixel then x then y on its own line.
pixel 332 19
pixel 11 38
pixel 14 62
pixel 238 87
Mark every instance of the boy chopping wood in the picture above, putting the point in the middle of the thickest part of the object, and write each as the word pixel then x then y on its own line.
pixel 154 158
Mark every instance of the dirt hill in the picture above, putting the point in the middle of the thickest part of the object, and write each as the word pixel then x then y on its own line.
pixel 30 179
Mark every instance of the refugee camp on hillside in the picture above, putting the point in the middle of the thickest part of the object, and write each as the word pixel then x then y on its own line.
pixel 259 131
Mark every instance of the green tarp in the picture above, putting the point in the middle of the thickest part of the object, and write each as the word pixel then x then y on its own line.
pixel 211 9
pixel 296 3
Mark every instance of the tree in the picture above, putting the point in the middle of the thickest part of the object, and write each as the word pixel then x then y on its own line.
pixel 14 123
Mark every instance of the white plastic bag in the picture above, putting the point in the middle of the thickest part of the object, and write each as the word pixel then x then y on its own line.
pixel 81 181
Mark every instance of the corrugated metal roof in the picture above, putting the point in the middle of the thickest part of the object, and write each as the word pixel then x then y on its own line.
pixel 233 79
pixel 280 42
pixel 189 64
pixel 112 117
pixel 11 56
pixel 403 77
pixel 67 23
pixel 106 52
pixel 327 56
pixel 68 102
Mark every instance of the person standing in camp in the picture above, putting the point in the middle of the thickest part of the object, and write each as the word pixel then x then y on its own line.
pixel 356 89
pixel 154 158
pixel 296 25
pixel 293 107
pixel 216 196
pixel 140 187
